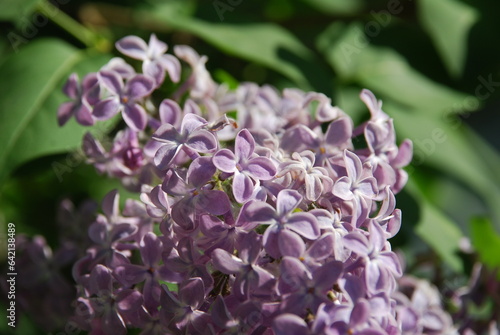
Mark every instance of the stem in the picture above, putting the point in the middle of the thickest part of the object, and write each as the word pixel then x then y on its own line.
pixel 66 22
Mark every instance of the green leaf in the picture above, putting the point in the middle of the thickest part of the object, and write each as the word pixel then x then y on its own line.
pixel 337 6
pixel 30 91
pixel 450 147
pixel 383 70
pixel 263 43
pixel 486 241
pixel 448 22
pixel 12 10
pixel 436 229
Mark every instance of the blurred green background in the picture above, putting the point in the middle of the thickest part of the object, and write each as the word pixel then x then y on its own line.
pixel 434 64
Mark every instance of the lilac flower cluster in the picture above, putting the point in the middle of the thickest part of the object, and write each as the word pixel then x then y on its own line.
pixel 257 213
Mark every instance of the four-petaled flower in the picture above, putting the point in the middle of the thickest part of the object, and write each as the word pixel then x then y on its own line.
pixel 124 98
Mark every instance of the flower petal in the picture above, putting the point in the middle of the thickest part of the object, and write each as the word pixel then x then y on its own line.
pixel 261 168
pixel 133 46
pixel 289 324
pixel 111 81
pixel 287 201
pixel 170 112
pixel 244 144
pixel 107 108
pixel 139 86
pixel 224 160
pixel 135 117
pixel 242 187
pixel 291 244
pixel 226 262
pixel 304 224
pixel 202 141
pixel 165 155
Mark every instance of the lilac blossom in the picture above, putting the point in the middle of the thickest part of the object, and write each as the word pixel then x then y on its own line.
pixel 182 311
pixel 80 106
pixel 250 277
pixel 247 167
pixel 271 223
pixel 190 138
pixel 124 98
pixel 155 61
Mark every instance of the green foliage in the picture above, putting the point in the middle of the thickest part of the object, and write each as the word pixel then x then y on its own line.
pixel 486 241
pixel 448 23
pixel 30 91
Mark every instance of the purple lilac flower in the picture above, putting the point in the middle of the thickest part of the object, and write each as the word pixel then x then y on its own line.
pixel 113 308
pixel 358 186
pixel 124 98
pixel 247 167
pixel 250 277
pixel 155 61
pixel 280 219
pixel 80 106
pixel 190 138
pixel 380 265
pixel 198 196
pixel 276 225
pixel 182 312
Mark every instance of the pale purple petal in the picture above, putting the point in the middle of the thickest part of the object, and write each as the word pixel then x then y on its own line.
pixel 304 224
pixel 258 212
pixel 325 276
pixel 192 292
pixel 289 324
pixel 151 249
pixel 360 313
pixel 294 275
pixel 156 47
pixel 405 154
pixel 133 46
pixel 342 188
pixel 244 145
pixel 101 280
pixel 170 112
pixel 167 134
pixel 111 81
pixel 352 164
pixel 358 243
pixel 154 71
pixel 165 155
pixel 339 132
pixel 129 300
pixel 391 262
pixel 135 117
pixel 299 138
pixel 322 248
pixel 242 187
pixel 107 108
pixel 226 262
pixel 214 202
pixel 201 141
pixel 367 187
pixel 291 244
pixel 261 168
pixel 224 160
pixel 200 171
pixel 191 122
pixel 172 65
pixel 287 201
pixel 139 86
